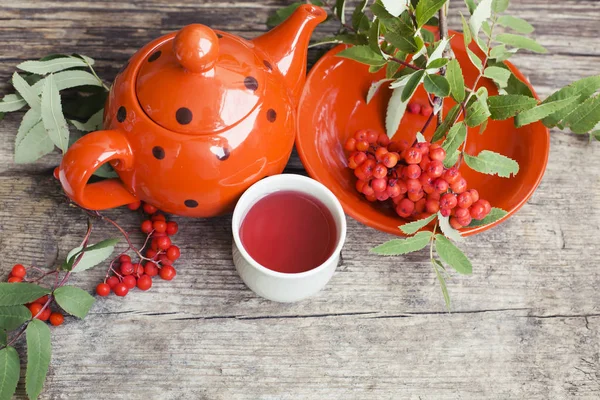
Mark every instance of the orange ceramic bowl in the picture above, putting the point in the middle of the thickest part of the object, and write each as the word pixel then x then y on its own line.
pixel 333 108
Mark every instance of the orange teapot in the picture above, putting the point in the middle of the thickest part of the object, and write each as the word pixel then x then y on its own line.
pixel 195 118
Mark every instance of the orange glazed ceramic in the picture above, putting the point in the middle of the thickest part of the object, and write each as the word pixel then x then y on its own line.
pixel 333 108
pixel 195 118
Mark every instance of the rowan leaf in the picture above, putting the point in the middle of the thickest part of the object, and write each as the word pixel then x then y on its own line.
pixel 436 84
pixel 448 230
pixel 32 144
pixel 13 294
pixel 456 136
pixel 491 163
pixel 494 215
pixel 397 247
pixel 73 300
pixel 26 92
pixel 467 38
pixel 475 59
pixel 582 88
pixel 363 54
pixel 395 7
pixel 499 6
pixel 53 65
pixel 52 115
pixel 374 88
pixel 11 317
pixel 446 124
pixel 12 102
pixel 507 106
pixel 39 350
pixel 585 117
pixel 427 9
pixel 411 85
pixel 499 75
pixel 93 255
pixel 477 113
pixel 10 371
pixel 516 24
pixel 452 255
pixel 481 13
pixel 414 226
pixel 520 42
pixel 543 110
pixel 455 80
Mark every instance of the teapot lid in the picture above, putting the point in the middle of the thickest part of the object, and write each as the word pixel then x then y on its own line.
pixel 200 81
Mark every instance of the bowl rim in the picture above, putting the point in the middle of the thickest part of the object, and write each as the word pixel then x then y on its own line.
pixel 354 213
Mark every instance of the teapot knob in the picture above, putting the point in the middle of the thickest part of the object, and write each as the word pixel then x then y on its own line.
pixel 196 47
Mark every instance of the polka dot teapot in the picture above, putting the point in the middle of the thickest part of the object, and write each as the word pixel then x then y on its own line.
pixel 195 118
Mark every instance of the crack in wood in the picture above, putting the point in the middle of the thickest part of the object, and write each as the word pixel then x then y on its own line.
pixel 240 317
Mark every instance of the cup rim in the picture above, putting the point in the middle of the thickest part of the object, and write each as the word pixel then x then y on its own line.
pixel 269 185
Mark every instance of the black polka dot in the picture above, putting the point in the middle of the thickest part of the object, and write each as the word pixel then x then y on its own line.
pixel 191 203
pixel 154 56
pixel 158 152
pixel 271 115
pixel 268 65
pixel 121 114
pixel 222 153
pixel 219 35
pixel 183 116
pixel 251 83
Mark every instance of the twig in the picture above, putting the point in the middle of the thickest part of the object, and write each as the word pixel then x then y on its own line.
pixel 443 24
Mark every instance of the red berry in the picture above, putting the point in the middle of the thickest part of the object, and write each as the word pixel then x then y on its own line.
pixel 167 273
pixel 56 319
pixel 424 147
pixel 434 196
pixel 138 270
pixel 382 196
pixel 477 210
pixel 413 156
pixel 149 209
pixel 413 171
pixel 144 282
pixel 397 199
pixel 380 153
pixel 371 198
pixel 151 269
pixel 147 226
pixel 405 208
pixel 474 194
pixel 350 144
pixel 359 185
pixel 402 145
pixel 360 158
pixel 445 212
pixel 361 134
pixel 391 159
pixel 56 173
pixel 432 206
pixel 426 110
pixel 121 290
pixel 14 279
pixel 163 243
pixel 425 160
pixel 124 258
pixel 103 289
pixel 42 300
pixel 372 136
pixel 440 185
pixel 45 314
pixel 158 217
pixel 126 268
pixel 426 179
pixel 437 153
pixel 414 108
pixel 18 271
pixel 351 163
pixel 129 281
pixel 403 187
pixel 420 205
pixel 465 221
pixel 464 200
pixel 379 184
pixel 413 185
pixel 448 201
pixel 487 206
pixel 164 260
pixel 416 196
pixel 35 308
pixel 173 253
pixel 367 168
pixel 112 281
pixel 380 171
pixel 154 244
pixel 134 206
pixel 150 253
pixel 160 226
pixel 362 145
pixel 393 190
pixel 451 175
pixel 368 190
pixel 435 169
pixel 383 139
pixel 454 223
pixel 459 186
pixel 461 212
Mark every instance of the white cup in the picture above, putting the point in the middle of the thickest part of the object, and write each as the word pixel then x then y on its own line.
pixel 280 286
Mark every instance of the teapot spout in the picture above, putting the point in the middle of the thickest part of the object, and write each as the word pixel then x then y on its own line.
pixel 287 45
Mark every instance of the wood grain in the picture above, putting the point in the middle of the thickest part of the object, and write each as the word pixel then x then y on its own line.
pixel 525 325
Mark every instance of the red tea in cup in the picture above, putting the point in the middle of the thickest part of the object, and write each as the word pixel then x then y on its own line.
pixel 289 231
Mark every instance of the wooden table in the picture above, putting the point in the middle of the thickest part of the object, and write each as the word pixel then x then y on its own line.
pixel 525 325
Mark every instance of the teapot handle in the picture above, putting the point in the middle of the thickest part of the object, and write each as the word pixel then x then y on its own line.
pixel 84 157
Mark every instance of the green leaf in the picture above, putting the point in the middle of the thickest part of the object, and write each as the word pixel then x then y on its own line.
pixel 358 16
pixel 106 171
pixel 446 124
pixel 500 53
pixel 516 24
pixel 94 123
pixel 374 36
pixel 427 35
pixel 451 159
pixel 52 115
pixel 516 86
pixel 456 136
pixel 13 294
pixel 73 300
pixel 582 88
pixel 448 230
pixel 442 281
pixel 470 5
pixel 486 28
pixel 499 6
pixel 3 338
pixel 92 256
pixel 12 317
pixel 452 255
pixel 474 59
pixel 374 88
pixel 482 12
pixel 498 75
pixel 30 119
pixel 26 92
pixel 405 43
pixel 494 215
pixel 436 64
pixel 397 247
pixel 436 84
pixel 438 52
pixel 69 79
pixel 340 9
pixel 395 111
pixel 387 19
pixel 520 42
pixel 54 65
pixel 12 102
pixel 488 162
pixel 10 371
pixel 585 117
pixel 507 106
pixel 411 85
pixel 32 144
pixel 414 226
pixel 542 111
pixel 363 54
pixel 477 113
pixel 427 9
pixel 282 14
pixel 39 350
pixel 466 31
pixel 395 7
pixel 420 138
pixel 455 80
